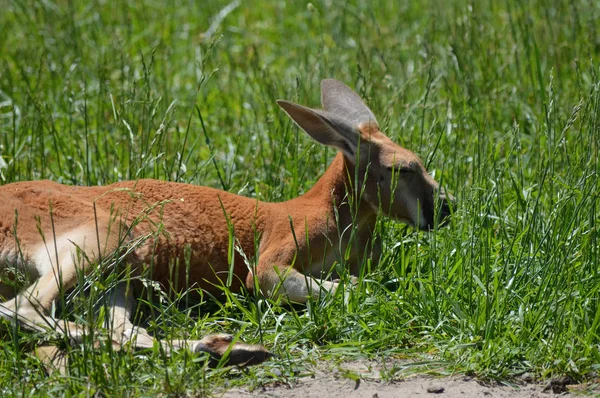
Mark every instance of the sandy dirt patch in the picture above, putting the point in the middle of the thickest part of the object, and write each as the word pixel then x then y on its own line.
pixel 362 379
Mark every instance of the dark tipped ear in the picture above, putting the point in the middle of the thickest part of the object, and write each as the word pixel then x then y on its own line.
pixel 340 100
pixel 323 127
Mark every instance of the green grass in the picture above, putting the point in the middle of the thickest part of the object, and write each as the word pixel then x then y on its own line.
pixel 500 99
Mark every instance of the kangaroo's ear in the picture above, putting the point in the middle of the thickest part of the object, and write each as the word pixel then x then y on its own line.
pixel 324 127
pixel 339 99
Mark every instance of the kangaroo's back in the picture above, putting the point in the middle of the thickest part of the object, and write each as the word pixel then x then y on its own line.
pixel 189 227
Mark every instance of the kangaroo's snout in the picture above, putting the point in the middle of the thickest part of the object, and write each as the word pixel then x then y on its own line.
pixel 438 210
pixel 445 205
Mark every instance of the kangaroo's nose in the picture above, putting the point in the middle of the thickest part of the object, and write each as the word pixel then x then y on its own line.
pixel 440 207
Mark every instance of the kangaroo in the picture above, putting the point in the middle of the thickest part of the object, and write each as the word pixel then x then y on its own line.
pixel 53 233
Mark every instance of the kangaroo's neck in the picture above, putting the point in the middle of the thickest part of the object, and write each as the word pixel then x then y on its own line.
pixel 337 190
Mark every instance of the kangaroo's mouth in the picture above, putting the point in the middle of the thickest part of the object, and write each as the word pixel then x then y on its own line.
pixel 436 213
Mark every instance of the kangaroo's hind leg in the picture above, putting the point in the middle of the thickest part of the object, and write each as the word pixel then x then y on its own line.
pixel 57 262
pixel 216 345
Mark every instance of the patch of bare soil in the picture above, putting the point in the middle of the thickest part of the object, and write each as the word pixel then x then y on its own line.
pixel 362 378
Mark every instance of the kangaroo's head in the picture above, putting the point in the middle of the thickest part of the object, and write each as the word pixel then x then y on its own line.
pixel 391 178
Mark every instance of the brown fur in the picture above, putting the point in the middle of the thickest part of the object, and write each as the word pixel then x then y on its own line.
pixel 294 241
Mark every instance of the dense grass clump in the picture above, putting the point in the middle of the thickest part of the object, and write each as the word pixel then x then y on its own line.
pixel 500 99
